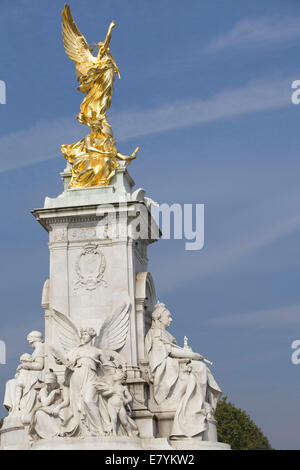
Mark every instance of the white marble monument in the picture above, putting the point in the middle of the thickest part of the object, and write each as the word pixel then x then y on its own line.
pixel 106 374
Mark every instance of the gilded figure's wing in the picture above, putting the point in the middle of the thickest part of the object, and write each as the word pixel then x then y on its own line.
pixel 75 43
pixel 114 331
pixel 66 331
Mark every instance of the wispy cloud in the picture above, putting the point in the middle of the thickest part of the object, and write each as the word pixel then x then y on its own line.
pixel 40 142
pixel 255 96
pixel 271 318
pixel 255 31
pixel 43 140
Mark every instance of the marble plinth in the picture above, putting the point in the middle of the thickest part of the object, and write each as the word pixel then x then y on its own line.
pixel 195 444
pixel 89 443
pixel 107 443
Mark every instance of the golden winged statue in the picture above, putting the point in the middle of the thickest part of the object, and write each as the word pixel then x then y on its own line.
pixel 94 158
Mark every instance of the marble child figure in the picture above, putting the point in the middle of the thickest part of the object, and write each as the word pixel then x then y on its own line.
pixel 118 398
pixel 21 378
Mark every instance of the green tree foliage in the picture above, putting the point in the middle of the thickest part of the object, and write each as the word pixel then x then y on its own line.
pixel 237 429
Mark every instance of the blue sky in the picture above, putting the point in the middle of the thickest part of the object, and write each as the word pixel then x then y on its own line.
pixel 206 93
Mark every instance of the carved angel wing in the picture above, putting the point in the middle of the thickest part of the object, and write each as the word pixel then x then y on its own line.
pixel 75 43
pixel 66 331
pixel 114 331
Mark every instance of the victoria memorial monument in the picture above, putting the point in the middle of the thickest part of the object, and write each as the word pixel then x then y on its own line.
pixel 106 373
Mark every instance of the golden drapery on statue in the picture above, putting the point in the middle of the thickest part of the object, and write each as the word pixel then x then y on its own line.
pixel 94 159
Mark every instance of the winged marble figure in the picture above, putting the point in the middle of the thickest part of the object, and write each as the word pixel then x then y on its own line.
pixel 86 356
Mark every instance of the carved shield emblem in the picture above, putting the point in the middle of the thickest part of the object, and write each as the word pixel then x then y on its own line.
pixel 90 268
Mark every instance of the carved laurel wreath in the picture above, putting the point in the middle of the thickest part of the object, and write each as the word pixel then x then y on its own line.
pixel 90 268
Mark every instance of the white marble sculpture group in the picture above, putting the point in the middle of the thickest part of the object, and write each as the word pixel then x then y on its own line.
pixel 108 375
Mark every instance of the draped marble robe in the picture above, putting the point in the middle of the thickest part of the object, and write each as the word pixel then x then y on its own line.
pixel 47 425
pixel 87 405
pixel 194 393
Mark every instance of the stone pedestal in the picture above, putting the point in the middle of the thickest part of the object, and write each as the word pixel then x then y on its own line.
pixel 95 263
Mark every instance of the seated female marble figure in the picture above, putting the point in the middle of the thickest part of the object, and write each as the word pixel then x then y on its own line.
pixel 52 417
pixel 181 380
pixel 20 392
